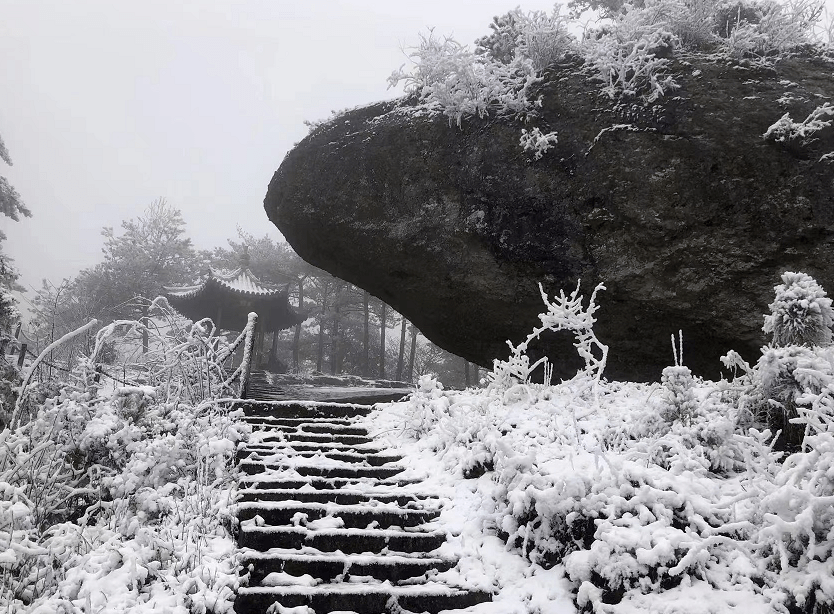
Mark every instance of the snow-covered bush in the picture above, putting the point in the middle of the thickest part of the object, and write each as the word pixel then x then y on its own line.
pixel 563 313
pixel 448 77
pixel 118 497
pixel 800 363
pixel 678 389
pixel 537 142
pixel 629 53
pixel 653 497
pixel 497 77
pixel 679 394
pixel 801 134
pixel 429 406
pixel 630 56
pixel 537 36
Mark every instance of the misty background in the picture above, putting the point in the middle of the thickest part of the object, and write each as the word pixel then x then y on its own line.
pixel 108 106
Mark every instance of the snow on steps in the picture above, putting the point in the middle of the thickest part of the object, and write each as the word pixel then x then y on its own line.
pixel 331 522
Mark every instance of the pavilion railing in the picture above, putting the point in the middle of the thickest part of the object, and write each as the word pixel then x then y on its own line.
pixel 244 370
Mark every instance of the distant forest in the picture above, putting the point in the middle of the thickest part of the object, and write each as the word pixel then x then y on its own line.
pixel 346 330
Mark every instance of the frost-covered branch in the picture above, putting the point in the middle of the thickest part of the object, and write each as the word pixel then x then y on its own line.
pixel 39 359
pixel 563 313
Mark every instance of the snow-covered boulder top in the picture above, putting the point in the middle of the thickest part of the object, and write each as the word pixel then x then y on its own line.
pixel 682 207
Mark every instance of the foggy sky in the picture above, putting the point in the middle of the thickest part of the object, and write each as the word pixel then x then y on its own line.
pixel 108 105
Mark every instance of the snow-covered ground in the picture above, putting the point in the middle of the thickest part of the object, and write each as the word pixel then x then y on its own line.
pixel 599 496
pixel 557 499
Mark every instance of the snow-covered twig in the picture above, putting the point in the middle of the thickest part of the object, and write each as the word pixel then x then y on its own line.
pixel 42 356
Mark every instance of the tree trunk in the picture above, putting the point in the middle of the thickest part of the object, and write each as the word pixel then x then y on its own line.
pixel 402 352
pixel 320 357
pixel 382 342
pixel 334 343
pixel 366 336
pixel 412 353
pixel 335 337
pixel 145 341
pixel 296 340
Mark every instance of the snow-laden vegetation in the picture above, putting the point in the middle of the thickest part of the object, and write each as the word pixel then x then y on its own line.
pixel 629 51
pixel 680 496
pixel 114 497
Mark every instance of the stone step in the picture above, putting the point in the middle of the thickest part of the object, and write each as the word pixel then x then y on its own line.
pixel 283 421
pixel 290 447
pixel 340 497
pixel 307 426
pixel 348 541
pixel 272 435
pixel 336 470
pixel 271 481
pixel 294 409
pixel 264 453
pixel 265 438
pixel 364 598
pixel 314 446
pixel 359 516
pixel 392 566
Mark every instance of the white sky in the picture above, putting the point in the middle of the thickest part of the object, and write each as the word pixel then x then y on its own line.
pixel 108 105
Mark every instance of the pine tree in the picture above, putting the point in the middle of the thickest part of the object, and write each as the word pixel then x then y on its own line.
pixel 11 205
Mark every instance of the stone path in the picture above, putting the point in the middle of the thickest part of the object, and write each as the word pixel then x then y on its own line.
pixel 328 522
pixel 261 388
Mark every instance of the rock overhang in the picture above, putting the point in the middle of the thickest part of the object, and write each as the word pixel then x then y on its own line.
pixel 680 207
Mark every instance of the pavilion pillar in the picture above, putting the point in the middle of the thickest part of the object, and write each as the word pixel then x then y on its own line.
pixel 273 350
pixel 260 353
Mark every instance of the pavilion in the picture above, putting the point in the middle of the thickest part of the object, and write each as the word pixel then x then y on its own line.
pixel 227 297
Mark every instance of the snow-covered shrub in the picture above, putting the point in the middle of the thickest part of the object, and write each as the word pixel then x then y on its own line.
pixel 118 496
pixel 541 38
pixel 429 405
pixel 800 363
pixel 537 142
pixel 679 394
pixel 797 382
pixel 678 389
pixel 762 28
pixel 495 78
pixel 448 77
pixel 787 25
pixel 800 134
pixel 630 56
pixel 563 313
pixel 797 534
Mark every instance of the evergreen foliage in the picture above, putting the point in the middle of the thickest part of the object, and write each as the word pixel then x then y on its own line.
pixel 801 313
pixel 11 205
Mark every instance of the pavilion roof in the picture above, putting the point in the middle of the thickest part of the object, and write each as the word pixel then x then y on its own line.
pixel 239 281
pixel 228 296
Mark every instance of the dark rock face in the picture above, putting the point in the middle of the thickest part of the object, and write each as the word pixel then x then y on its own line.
pixel 687 214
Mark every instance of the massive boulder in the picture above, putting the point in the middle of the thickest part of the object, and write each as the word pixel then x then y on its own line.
pixel 680 207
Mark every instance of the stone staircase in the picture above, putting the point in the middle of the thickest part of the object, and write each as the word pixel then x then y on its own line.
pixel 328 522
